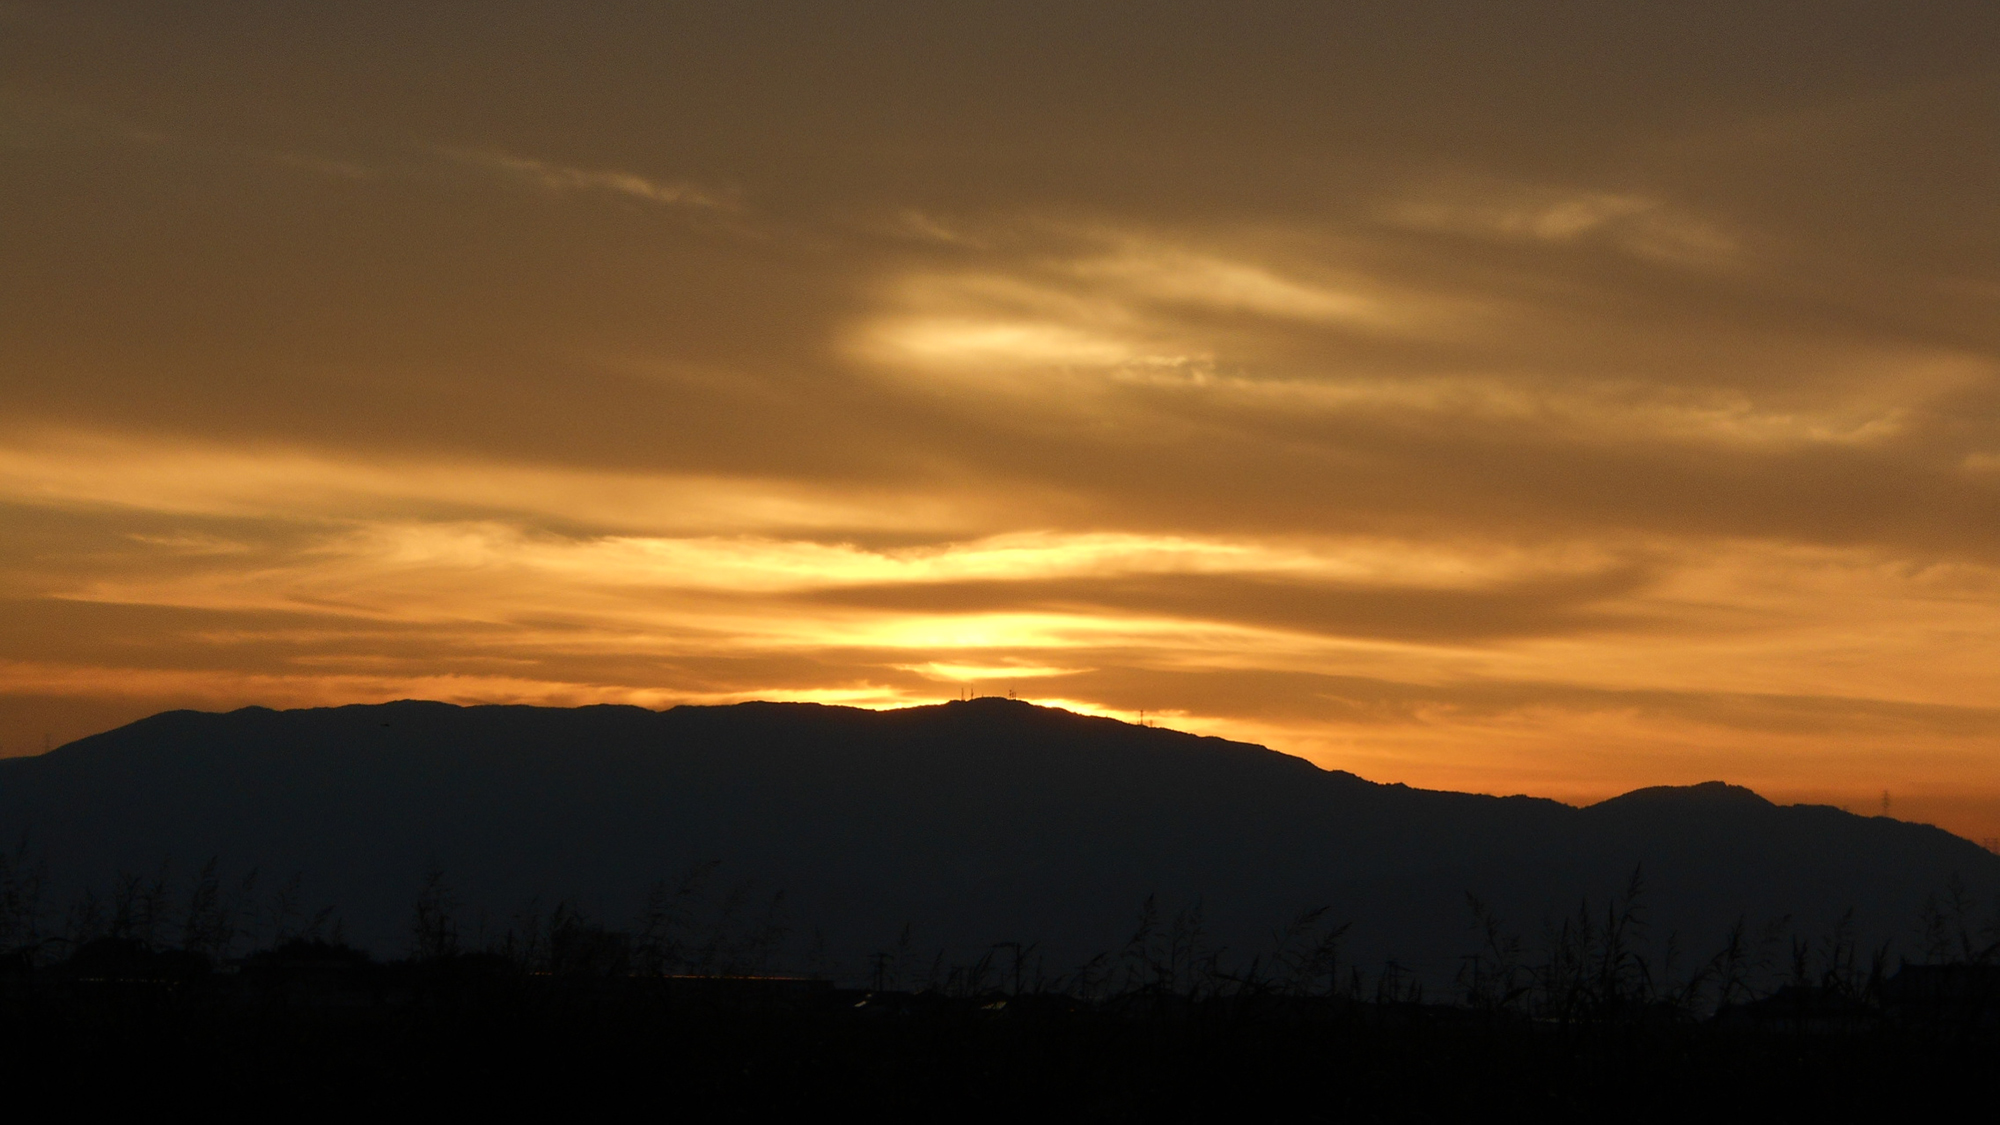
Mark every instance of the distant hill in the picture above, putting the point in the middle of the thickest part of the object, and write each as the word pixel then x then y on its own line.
pixel 973 822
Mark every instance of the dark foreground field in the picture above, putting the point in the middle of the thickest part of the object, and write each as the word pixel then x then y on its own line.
pixel 316 1027
pixel 977 911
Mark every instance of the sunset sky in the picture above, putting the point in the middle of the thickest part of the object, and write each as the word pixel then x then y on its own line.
pixel 1554 398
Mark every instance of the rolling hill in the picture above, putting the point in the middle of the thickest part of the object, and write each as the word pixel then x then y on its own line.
pixel 970 822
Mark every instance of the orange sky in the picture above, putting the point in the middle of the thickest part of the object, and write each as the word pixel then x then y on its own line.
pixel 1521 398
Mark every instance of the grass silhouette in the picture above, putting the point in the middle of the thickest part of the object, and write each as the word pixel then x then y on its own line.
pixel 239 990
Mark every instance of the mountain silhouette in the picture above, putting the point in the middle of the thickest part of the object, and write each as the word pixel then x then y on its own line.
pixel 972 822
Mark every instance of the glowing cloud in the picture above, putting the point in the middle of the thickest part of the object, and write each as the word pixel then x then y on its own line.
pixel 1478 402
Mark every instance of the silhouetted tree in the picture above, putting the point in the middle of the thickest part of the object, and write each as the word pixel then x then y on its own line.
pixel 22 876
pixel 434 924
pixel 208 927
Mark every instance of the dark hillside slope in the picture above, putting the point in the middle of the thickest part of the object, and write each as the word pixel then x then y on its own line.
pixel 976 822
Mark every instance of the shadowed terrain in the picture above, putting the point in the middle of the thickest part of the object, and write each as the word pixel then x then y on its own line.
pixel 972 822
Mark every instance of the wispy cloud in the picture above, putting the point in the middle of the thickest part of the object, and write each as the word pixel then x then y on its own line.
pixel 1641 225
pixel 921 226
pixel 1120 304
pixel 547 176
pixel 98 470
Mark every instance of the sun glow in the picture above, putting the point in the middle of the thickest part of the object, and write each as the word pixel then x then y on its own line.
pixel 1478 441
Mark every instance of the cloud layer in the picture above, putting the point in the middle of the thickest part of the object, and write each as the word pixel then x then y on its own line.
pixel 1559 403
